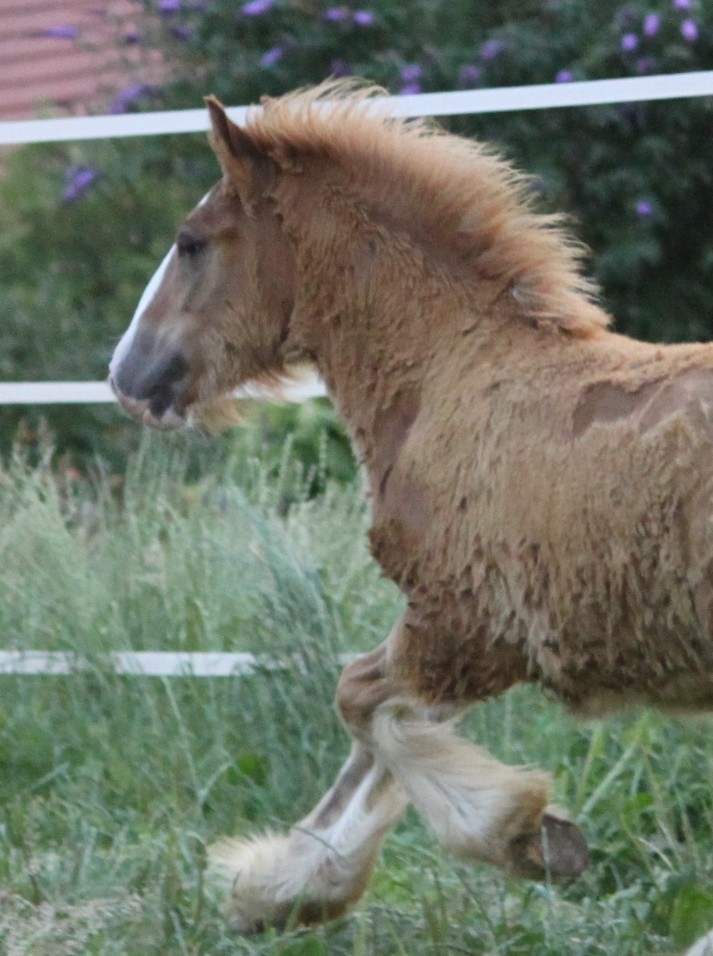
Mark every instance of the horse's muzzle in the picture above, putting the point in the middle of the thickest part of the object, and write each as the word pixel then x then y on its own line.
pixel 151 386
pixel 142 410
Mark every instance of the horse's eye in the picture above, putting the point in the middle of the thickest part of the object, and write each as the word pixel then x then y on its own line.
pixel 188 245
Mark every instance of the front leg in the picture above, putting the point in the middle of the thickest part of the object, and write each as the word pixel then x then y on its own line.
pixel 478 807
pixel 323 864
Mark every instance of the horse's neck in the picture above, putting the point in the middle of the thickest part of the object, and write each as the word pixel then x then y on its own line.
pixel 378 314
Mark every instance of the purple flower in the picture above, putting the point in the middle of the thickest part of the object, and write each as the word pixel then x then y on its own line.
pixel 410 76
pixel 132 36
pixel 644 209
pixel 469 75
pixel 80 180
pixel 652 24
pixel 564 76
pixel 182 32
pixel 681 4
pixel 491 49
pixel 169 6
pixel 272 56
pixel 689 30
pixel 256 8
pixel 411 73
pixel 129 97
pixel 364 18
pixel 60 33
pixel 629 42
pixel 340 68
pixel 335 15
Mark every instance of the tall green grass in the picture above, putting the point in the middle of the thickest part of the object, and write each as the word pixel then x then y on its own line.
pixel 168 561
pixel 110 786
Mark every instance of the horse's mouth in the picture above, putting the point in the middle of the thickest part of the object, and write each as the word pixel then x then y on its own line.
pixel 154 412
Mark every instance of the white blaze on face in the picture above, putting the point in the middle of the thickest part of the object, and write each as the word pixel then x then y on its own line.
pixel 146 298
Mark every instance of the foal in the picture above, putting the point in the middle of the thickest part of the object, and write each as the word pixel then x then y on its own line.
pixel 540 487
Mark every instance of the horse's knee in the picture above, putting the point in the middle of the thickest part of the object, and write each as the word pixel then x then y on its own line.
pixel 363 686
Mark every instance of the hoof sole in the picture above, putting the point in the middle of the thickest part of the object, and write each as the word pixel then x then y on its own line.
pixel 559 851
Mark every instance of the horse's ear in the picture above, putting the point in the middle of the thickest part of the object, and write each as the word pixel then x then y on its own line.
pixel 239 157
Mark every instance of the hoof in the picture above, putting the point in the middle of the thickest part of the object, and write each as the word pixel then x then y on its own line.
pixel 558 851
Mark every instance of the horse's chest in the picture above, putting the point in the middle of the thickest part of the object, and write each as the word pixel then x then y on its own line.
pixel 402 514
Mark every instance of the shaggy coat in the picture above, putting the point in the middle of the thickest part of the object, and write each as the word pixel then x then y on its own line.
pixel 541 488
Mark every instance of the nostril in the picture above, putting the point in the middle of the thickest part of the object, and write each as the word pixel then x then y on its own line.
pixel 161 401
pixel 149 375
pixel 175 369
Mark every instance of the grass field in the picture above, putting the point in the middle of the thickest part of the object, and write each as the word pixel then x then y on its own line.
pixel 110 787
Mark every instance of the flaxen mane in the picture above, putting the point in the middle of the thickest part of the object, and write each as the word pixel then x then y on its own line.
pixel 469 197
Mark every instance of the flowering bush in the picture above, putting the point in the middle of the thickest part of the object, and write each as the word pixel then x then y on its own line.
pixel 636 177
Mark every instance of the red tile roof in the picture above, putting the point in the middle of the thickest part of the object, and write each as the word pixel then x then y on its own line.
pixel 60 57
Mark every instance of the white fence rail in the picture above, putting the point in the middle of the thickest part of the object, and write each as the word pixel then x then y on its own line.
pixel 89 393
pixel 545 96
pixel 505 99
pixel 148 663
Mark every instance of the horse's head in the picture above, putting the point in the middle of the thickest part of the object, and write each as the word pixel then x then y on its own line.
pixel 216 312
